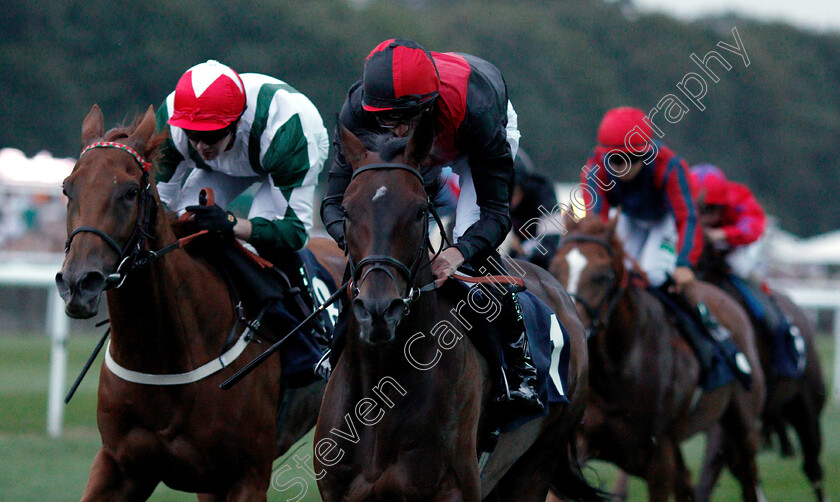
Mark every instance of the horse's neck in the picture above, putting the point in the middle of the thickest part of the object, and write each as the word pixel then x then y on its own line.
pixel 170 316
pixel 621 332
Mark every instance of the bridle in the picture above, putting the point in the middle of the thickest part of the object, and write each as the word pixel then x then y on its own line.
pixel 360 270
pixel 132 255
pixel 599 314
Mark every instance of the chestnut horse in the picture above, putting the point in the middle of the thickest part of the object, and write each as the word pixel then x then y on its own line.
pixel 644 398
pixel 170 315
pixel 795 402
pixel 407 403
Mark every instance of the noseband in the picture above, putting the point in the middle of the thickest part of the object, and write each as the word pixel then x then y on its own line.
pixel 359 271
pixel 132 256
pixel 599 315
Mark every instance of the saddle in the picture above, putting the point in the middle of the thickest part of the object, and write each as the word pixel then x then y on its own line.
pixel 787 346
pixel 280 303
pixel 721 361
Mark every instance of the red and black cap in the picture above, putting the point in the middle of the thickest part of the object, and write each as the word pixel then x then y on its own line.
pixel 399 75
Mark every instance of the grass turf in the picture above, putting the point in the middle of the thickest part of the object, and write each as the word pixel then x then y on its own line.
pixel 34 467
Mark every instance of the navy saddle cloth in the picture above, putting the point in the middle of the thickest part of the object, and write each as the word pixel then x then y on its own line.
pixel 549 343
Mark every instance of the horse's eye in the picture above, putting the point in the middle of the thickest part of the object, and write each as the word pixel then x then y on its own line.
pixel 421 214
pixel 132 193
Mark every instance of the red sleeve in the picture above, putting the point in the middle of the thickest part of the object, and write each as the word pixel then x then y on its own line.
pixel 744 221
pixel 672 174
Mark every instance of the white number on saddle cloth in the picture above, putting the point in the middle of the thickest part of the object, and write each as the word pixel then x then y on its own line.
pixel 556 336
pixel 322 293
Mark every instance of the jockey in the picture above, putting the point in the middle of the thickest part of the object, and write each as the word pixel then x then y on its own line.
pixel 734 223
pixel 731 218
pixel 658 223
pixel 228 132
pixel 476 135
pixel 531 191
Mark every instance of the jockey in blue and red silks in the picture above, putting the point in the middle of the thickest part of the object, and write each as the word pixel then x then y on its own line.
pixel 659 222
pixel 732 218
pixel 734 222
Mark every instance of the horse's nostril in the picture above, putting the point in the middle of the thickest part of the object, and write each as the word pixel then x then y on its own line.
pixel 92 283
pixel 395 310
pixel 361 311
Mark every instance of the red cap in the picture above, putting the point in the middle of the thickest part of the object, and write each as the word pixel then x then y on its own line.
pixel 617 130
pixel 399 75
pixel 209 96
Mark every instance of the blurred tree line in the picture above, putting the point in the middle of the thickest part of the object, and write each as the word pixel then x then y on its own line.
pixel 774 125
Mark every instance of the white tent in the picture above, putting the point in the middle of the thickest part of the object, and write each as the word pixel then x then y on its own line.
pixel 42 173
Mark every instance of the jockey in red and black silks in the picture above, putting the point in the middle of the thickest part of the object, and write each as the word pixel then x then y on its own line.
pixel 476 134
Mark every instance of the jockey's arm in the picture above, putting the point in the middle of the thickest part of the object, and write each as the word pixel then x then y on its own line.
pixel 491 165
pixel 281 213
pixel 355 120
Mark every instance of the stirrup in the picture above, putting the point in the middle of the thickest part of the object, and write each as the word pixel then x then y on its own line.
pixel 517 400
pixel 323 368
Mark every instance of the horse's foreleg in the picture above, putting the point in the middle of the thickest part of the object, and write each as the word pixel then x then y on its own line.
pixel 682 480
pixel 108 482
pixel 806 422
pixel 713 461
pixel 660 474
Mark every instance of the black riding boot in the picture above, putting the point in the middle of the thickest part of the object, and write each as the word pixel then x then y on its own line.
pixel 301 299
pixel 519 394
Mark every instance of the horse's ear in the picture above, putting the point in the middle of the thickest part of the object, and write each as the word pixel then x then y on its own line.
pixel 144 130
pixel 93 127
pixel 354 150
pixel 421 141
pixel 569 220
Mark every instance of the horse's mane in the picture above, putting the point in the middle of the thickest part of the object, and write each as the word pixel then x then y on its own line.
pixel 389 147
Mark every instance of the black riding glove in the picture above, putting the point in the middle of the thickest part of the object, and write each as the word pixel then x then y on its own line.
pixel 213 219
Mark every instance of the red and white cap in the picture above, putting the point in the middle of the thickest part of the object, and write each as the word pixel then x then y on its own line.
pixel 209 96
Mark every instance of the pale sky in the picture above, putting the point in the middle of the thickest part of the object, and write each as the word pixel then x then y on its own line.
pixel 819 15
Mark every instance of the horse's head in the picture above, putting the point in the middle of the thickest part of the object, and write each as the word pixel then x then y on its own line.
pixel 386 227
pixel 109 204
pixel 590 265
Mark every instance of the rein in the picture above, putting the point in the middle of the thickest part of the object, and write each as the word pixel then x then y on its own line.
pixel 599 314
pixel 358 273
pixel 132 256
pixel 378 262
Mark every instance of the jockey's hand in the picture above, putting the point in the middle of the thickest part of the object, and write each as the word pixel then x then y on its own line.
pixel 446 264
pixel 683 279
pixel 716 235
pixel 213 219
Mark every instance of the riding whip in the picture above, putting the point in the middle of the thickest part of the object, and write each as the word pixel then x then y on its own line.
pixel 248 368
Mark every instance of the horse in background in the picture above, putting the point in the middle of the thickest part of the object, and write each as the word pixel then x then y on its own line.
pixel 644 398
pixel 171 312
pixel 795 402
pixel 407 404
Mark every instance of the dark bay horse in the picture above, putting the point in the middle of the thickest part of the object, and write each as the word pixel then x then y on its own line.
pixel 170 315
pixel 407 402
pixel 795 402
pixel 644 398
